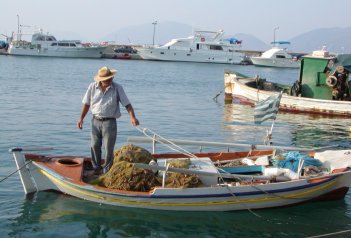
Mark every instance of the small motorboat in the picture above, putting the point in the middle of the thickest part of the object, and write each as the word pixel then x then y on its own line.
pixel 122 56
pixel 276 57
pixel 255 184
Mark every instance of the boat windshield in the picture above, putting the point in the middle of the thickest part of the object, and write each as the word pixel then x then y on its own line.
pixel 216 47
pixel 42 37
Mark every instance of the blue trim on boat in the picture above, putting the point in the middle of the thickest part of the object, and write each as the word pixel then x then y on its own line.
pixel 92 189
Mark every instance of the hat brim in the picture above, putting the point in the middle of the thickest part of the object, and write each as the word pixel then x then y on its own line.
pixel 99 79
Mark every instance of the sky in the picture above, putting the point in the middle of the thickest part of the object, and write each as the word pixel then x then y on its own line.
pixel 94 19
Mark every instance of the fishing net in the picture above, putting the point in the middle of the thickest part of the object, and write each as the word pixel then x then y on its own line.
pixel 132 154
pixel 177 180
pixel 123 175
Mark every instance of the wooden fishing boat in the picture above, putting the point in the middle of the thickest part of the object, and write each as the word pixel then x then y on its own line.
pixel 323 87
pixel 247 188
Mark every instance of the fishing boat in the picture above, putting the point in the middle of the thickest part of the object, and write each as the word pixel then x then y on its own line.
pixel 277 56
pixel 44 44
pixel 255 185
pixel 323 86
pixel 122 56
pixel 203 46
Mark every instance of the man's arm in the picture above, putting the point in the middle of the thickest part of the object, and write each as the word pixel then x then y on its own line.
pixel 133 119
pixel 83 113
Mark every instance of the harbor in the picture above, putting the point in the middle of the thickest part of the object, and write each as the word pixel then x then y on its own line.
pixel 155 95
pixel 182 121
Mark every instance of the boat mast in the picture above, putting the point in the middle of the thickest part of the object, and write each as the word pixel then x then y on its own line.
pixel 18 28
pixel 153 37
pixel 274 30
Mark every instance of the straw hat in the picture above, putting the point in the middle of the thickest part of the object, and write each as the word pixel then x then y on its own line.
pixel 105 74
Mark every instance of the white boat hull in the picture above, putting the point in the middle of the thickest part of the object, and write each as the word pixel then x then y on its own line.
pixel 84 52
pixel 201 56
pixel 279 63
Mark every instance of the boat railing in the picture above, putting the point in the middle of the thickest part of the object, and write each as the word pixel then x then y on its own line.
pixel 155 140
pixel 21 43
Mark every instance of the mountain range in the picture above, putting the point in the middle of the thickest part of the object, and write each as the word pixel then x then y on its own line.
pixel 336 40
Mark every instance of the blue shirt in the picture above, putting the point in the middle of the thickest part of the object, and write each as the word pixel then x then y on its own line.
pixel 105 104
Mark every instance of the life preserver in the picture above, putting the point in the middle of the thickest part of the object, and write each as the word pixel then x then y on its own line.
pixel 331 81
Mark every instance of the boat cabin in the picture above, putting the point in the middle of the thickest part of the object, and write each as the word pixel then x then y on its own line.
pixel 276 53
pixel 42 37
pixel 324 76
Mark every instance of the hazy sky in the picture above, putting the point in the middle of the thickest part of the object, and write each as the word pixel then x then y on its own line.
pixel 94 19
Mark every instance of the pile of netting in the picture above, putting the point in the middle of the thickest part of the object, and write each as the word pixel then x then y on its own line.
pixel 124 176
pixel 177 180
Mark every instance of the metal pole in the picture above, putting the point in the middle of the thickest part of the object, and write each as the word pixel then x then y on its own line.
pixel 153 38
pixel 18 28
pixel 274 34
pixel 18 24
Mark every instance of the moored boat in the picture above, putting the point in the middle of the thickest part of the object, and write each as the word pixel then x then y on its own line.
pixel 323 86
pixel 276 57
pixel 122 56
pixel 203 46
pixel 255 184
pixel 46 45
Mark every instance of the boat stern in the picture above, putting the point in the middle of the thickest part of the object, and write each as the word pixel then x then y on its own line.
pixel 31 177
pixel 229 86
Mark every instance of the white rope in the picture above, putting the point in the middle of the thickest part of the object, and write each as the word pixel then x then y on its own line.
pixel 189 154
pixel 329 234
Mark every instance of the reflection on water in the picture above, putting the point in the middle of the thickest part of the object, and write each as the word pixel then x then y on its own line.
pixel 300 130
pixel 54 214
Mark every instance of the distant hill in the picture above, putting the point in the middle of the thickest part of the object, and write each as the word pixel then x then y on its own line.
pixel 165 31
pixel 336 40
pixel 143 34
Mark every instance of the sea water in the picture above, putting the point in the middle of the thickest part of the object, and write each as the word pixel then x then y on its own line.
pixel 40 103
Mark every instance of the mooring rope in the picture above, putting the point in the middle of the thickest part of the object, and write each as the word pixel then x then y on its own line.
pixel 6 177
pixel 329 234
pixel 189 154
pixel 217 95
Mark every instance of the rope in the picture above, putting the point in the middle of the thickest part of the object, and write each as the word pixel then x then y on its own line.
pixel 217 95
pixel 329 234
pixel 187 153
pixel 6 177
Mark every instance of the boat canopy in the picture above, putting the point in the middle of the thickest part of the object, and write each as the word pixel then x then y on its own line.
pixel 233 40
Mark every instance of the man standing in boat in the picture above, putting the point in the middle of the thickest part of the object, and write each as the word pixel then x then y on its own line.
pixel 103 98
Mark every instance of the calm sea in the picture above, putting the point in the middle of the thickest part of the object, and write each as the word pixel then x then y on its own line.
pixel 40 102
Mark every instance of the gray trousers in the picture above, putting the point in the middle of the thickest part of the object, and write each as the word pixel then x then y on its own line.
pixel 103 133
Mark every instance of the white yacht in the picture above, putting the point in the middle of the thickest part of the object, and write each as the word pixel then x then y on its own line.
pixel 47 45
pixel 276 57
pixel 203 46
